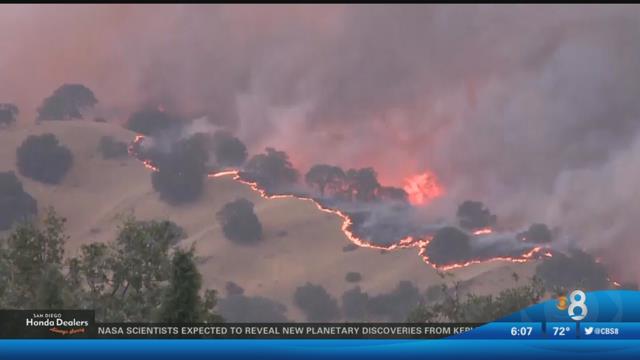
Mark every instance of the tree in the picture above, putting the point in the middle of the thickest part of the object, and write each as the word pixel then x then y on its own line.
pixel 125 280
pixel 16 205
pixel 67 102
pixel 228 149
pixel 574 270
pixel 393 194
pixel 43 158
pixel 111 148
pixel 239 223
pixel 181 173
pixel 50 290
pixel 325 178
pixel 353 276
pixel 34 256
pixel 151 121
pixel 478 308
pixel 537 233
pixel 449 245
pixel 272 170
pixel 363 184
pixel 316 303
pixel 355 304
pixel 257 309
pixel 181 301
pixel 396 304
pixel 8 113
pixel 474 215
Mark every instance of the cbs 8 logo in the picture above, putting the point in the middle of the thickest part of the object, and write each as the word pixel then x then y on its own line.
pixel 576 300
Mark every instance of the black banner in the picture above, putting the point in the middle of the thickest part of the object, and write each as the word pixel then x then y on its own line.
pixel 44 324
pixel 70 324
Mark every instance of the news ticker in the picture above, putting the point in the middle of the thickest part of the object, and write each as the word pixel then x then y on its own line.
pixel 70 324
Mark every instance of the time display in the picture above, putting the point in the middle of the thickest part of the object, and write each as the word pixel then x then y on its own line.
pixel 521 330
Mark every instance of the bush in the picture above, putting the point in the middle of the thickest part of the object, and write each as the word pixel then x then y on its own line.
pixel 111 148
pixel 181 173
pixel 15 204
pixel 43 158
pixel 8 113
pixel 66 103
pixel 316 303
pixel 239 223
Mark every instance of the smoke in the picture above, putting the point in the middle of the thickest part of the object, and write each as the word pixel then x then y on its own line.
pixel 530 109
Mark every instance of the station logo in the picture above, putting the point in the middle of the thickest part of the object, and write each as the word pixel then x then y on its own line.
pixel 574 305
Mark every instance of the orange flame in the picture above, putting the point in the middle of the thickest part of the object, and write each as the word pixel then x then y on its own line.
pixel 132 151
pixel 484 231
pixel 422 188
pixel 528 256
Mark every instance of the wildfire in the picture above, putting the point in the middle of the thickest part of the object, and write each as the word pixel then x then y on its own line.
pixel 422 188
pixel 133 147
pixel 484 231
pixel 532 254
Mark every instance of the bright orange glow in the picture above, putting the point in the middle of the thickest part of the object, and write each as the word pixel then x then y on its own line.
pixel 532 254
pixel 132 151
pixel 422 188
pixel 484 231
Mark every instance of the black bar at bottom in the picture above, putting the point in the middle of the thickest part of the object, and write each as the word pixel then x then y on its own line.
pixel 282 331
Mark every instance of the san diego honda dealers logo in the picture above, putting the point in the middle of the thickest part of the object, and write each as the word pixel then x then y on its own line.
pixel 56 323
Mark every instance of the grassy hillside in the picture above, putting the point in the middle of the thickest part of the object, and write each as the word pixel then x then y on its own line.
pixel 301 243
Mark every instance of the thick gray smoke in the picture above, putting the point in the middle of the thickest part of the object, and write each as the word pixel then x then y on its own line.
pixel 531 109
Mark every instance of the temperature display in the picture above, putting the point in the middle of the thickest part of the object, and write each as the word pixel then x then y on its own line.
pixel 561 330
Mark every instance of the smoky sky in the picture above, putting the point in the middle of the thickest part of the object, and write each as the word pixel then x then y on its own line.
pixel 531 109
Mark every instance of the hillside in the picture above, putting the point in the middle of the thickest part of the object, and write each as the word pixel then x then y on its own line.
pixel 301 243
